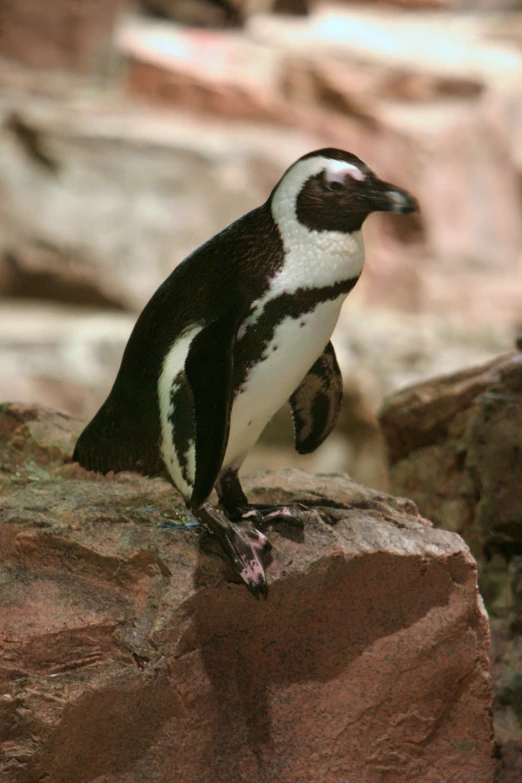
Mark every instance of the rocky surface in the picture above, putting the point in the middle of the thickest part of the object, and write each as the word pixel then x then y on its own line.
pixel 130 654
pixel 506 668
pixel 454 447
pixel 465 429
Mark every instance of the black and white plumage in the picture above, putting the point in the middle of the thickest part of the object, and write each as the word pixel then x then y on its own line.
pixel 238 328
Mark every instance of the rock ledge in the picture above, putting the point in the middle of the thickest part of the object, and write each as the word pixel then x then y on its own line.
pixel 129 655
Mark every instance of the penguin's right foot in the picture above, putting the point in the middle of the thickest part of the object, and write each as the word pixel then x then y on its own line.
pixel 235 504
pixel 266 513
pixel 243 545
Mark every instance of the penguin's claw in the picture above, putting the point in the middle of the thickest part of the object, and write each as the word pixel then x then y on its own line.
pixel 257 589
pixel 244 546
pixel 249 561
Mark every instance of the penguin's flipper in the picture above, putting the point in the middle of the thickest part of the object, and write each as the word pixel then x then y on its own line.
pixel 209 368
pixel 316 402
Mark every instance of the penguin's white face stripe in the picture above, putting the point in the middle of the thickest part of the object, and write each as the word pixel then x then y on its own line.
pixel 313 258
pixel 338 170
pixel 173 364
pixel 285 197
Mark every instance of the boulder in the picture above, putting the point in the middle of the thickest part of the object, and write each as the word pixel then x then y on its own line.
pixel 453 447
pixel 130 653
pixel 506 665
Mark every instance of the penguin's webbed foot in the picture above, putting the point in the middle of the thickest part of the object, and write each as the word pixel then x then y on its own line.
pixel 235 504
pixel 244 546
pixel 266 513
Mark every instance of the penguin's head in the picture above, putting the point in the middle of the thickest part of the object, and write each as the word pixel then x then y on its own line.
pixel 333 190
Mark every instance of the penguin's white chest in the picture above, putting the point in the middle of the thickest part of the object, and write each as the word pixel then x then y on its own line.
pixel 295 345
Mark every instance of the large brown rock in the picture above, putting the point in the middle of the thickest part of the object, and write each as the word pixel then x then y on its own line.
pixel 453 446
pixel 506 665
pixel 129 654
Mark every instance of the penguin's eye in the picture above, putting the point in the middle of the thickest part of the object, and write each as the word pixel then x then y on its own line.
pixel 334 185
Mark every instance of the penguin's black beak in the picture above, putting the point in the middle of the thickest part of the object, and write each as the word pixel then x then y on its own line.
pixel 385 197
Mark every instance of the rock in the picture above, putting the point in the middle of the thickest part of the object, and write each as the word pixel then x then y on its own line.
pixel 495 459
pixel 61 34
pixel 453 444
pixel 506 665
pixel 129 654
pixel 212 73
pixel 37 434
pixel 453 448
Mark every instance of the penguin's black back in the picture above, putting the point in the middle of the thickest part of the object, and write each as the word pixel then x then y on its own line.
pixel 227 273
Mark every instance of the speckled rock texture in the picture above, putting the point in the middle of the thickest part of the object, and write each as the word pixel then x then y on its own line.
pixel 454 446
pixel 129 654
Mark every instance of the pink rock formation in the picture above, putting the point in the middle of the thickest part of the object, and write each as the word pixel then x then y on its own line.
pixel 130 655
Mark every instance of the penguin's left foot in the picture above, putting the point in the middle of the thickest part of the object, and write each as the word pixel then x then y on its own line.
pixel 243 545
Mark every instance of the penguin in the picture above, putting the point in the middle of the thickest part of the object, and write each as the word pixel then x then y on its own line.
pixel 241 326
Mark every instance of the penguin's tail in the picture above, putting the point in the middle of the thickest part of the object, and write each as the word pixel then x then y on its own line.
pixel 113 442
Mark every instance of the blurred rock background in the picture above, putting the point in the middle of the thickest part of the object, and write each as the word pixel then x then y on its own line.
pixel 130 132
